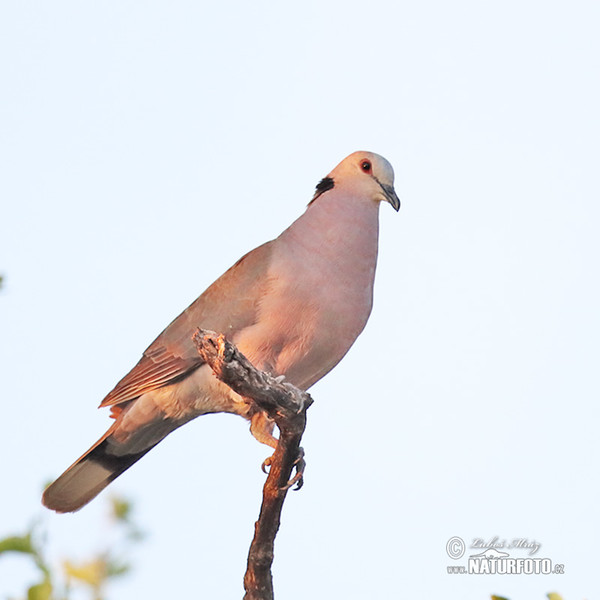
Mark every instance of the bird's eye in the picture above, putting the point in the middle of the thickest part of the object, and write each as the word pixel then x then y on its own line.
pixel 365 165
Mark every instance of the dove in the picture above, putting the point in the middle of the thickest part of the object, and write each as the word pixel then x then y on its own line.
pixel 294 306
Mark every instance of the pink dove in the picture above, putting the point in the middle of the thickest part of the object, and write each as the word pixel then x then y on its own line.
pixel 294 306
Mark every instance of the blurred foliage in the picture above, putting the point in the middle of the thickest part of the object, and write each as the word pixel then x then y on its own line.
pixel 74 576
pixel 551 596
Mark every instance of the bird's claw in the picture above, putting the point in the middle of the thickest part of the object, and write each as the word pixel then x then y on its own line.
pixel 298 478
pixel 299 466
pixel 266 463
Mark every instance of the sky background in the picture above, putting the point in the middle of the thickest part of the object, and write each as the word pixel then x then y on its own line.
pixel 145 146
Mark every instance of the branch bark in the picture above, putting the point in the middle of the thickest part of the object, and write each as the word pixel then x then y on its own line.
pixel 287 406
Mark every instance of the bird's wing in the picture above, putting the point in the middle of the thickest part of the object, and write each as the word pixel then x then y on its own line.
pixel 230 304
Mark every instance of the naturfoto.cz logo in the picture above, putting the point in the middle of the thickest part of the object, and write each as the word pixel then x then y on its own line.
pixel 493 561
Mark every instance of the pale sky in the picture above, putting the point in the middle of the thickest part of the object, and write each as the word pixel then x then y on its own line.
pixel 145 146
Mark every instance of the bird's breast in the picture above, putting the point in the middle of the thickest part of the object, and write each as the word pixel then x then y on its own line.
pixel 314 308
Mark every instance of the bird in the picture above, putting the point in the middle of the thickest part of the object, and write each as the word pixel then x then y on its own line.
pixel 294 306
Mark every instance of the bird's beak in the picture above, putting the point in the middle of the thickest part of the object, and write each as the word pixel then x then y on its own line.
pixel 391 196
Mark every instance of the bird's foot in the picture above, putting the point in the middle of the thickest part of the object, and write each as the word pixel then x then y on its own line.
pixel 299 466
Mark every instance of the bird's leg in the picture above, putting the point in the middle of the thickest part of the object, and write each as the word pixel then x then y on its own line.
pixel 261 427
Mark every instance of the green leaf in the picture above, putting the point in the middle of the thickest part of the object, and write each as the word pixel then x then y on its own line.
pixel 18 543
pixel 40 591
pixel 554 596
pixel 115 569
pixel 121 508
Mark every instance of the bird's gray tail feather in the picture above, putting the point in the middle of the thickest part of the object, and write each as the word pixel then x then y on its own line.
pixel 89 475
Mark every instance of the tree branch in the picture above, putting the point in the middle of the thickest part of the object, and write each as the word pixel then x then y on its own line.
pixel 287 406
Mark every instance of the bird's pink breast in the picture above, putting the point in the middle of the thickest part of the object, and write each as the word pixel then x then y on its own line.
pixel 320 292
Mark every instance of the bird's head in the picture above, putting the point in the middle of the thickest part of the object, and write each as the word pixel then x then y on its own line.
pixel 366 172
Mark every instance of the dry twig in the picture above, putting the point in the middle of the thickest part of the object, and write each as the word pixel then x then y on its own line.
pixel 287 406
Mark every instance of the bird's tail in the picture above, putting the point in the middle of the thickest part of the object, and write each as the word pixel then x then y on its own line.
pixel 90 474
